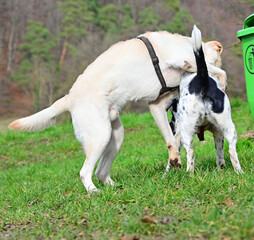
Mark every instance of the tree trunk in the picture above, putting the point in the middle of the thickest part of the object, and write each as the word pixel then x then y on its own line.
pixel 10 48
pixel 63 54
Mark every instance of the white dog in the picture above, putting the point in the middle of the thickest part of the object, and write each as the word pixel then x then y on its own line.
pixel 202 103
pixel 123 73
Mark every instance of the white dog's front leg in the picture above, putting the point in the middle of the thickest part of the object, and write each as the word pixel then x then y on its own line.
pixel 219 73
pixel 158 110
pixel 190 66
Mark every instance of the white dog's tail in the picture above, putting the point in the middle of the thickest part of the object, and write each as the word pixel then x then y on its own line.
pixel 43 119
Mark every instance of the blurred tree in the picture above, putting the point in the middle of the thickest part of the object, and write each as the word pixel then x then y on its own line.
pixel 74 24
pixel 37 62
pixel 148 17
pixel 92 26
pixel 125 18
pixel 107 17
pixel 172 5
pixel 180 22
pixel 94 6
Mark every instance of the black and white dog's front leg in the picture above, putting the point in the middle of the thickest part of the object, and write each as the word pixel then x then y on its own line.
pixel 158 110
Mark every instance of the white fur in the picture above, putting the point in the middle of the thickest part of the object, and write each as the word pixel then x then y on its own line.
pixel 43 119
pixel 196 38
pixel 122 73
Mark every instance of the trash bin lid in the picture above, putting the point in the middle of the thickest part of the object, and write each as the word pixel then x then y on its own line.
pixel 248 27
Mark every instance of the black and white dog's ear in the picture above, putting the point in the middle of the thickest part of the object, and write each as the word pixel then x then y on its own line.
pixel 215 45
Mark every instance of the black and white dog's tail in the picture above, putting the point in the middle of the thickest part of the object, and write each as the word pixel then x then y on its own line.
pixel 202 81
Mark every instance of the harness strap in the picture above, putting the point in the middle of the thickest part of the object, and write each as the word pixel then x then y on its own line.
pixel 155 61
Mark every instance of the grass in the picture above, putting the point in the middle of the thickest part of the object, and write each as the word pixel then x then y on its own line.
pixel 42 197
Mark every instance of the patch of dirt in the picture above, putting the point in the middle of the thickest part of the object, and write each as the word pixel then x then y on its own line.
pixel 133 129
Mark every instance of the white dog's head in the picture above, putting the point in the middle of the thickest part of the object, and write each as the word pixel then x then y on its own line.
pixel 213 51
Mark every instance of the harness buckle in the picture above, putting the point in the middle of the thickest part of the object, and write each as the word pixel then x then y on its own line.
pixel 155 60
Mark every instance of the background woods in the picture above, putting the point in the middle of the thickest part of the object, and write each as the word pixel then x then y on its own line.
pixel 44 45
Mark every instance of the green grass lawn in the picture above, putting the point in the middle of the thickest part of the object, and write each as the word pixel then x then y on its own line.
pixel 42 197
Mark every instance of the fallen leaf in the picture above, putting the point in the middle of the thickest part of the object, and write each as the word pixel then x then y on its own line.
pixel 7 205
pixel 9 226
pixel 33 202
pixel 165 220
pixel 232 187
pixel 46 215
pixel 124 238
pixel 129 238
pixel 228 202
pixel 83 221
pixel 149 219
pixel 4 235
pixel 146 211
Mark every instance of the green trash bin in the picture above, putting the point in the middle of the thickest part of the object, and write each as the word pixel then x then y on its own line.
pixel 246 35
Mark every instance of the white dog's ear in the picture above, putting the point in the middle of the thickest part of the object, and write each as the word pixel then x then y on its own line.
pixel 216 46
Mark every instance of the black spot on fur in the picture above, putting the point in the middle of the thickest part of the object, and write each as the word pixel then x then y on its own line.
pixel 215 96
pixel 202 84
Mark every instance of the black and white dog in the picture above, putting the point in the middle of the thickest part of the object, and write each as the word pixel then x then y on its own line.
pixel 202 103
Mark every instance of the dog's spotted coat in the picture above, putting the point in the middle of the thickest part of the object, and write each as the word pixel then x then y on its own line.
pixel 203 103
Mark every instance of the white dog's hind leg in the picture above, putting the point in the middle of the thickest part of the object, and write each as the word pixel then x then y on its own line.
pixel 103 170
pixel 93 130
pixel 93 153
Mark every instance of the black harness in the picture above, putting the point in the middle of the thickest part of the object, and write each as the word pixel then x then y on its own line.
pixel 155 61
